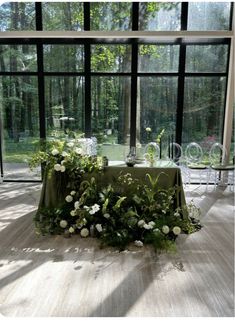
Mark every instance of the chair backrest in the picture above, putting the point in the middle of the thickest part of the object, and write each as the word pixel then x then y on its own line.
pixel 194 153
pixel 174 152
pixel 218 154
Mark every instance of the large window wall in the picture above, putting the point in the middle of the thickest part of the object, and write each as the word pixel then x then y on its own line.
pixel 110 88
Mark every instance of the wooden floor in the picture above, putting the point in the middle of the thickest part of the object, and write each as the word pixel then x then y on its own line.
pixel 72 277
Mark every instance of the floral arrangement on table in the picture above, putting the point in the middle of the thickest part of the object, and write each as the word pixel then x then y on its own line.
pixel 153 149
pixel 129 211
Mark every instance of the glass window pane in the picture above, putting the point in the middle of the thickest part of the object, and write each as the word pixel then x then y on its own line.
pixel 158 58
pixel 19 111
pixel 159 16
pixel 206 58
pixel 111 58
pixel 203 110
pixel 17 16
pixel 208 15
pixel 63 58
pixel 62 16
pixel 15 58
pixel 111 115
pixel 64 97
pixel 156 109
pixel 111 15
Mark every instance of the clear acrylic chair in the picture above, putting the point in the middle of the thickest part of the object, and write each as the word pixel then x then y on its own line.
pixel 175 154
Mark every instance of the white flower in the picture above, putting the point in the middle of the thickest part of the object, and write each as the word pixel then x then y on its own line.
pixel 176 230
pixel 151 223
pixel 147 226
pixel 138 243
pixel 72 192
pixel 99 227
pixel 165 230
pixel 62 169
pixel 63 223
pixel 141 223
pixel 63 162
pixel 163 211
pixel 84 232
pixel 70 144
pixel 73 213
pixel 55 152
pixel 69 198
pixel 76 205
pixel 156 230
pixel 94 208
pixel 148 129
pixel 57 167
pixel 71 230
pixel 176 214
pixel 78 151
pixel 64 154
pixel 107 215
pixel 86 207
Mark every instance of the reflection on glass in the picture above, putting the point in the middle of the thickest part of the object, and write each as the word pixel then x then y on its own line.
pixel 62 15
pixel 63 58
pixel 16 58
pixel 17 16
pixel 111 115
pixel 158 58
pixel 19 111
pixel 156 110
pixel 203 110
pixel 64 97
pixel 159 16
pixel 111 58
pixel 206 58
pixel 208 15
pixel 111 15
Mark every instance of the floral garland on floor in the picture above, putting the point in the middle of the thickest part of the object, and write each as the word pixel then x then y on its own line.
pixel 129 211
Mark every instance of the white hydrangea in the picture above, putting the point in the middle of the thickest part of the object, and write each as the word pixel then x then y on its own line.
pixel 73 213
pixel 84 232
pixel 62 169
pixel 64 154
pixel 76 205
pixel 176 230
pixel 138 243
pixel 141 223
pixel 63 223
pixel 72 192
pixel 57 167
pixel 78 151
pixel 69 198
pixel 71 230
pixel 99 227
pixel 55 152
pixel 107 215
pixel 165 230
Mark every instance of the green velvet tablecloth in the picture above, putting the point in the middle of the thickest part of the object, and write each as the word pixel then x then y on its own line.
pixel 55 188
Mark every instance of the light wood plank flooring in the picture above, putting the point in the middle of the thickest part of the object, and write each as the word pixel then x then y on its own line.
pixel 55 276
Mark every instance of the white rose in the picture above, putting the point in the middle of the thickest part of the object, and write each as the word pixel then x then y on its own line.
pixel 63 223
pixel 99 227
pixel 176 230
pixel 55 152
pixel 72 192
pixel 165 230
pixel 62 169
pixel 57 167
pixel 84 232
pixel 70 144
pixel 71 230
pixel 69 198
pixel 107 215
pixel 156 230
pixel 76 205
pixel 146 226
pixel 138 243
pixel 73 213
pixel 78 151
pixel 152 223
pixel 64 154
pixel 141 223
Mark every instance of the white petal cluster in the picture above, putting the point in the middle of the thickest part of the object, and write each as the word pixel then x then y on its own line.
pixel 148 129
pixel 73 213
pixel 70 144
pixel 64 154
pixel 94 208
pixel 176 230
pixel 69 198
pixel 99 227
pixel 72 192
pixel 55 152
pixel 138 243
pixel 84 232
pixel 59 168
pixel 107 215
pixel 141 223
pixel 76 205
pixel 78 151
pixel 63 223
pixel 165 230
pixel 71 230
